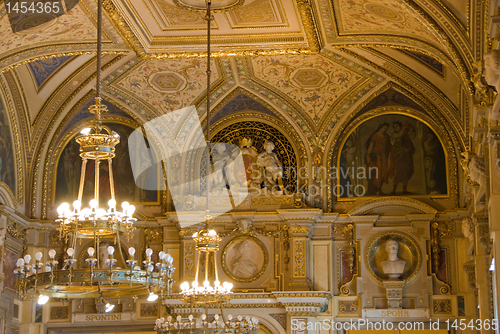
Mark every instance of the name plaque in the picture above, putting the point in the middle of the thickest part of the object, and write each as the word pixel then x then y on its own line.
pixel 108 317
pixel 395 313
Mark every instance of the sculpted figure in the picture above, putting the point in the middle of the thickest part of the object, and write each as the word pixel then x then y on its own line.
pixel 221 158
pixel 272 168
pixel 468 231
pixel 393 266
pixel 2 237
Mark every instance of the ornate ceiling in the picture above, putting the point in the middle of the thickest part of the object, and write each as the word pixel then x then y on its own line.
pixel 311 63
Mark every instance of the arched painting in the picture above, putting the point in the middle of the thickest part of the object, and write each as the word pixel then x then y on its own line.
pixel 391 155
pixel 7 166
pixel 69 167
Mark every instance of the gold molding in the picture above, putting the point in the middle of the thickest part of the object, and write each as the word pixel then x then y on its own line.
pixel 17 144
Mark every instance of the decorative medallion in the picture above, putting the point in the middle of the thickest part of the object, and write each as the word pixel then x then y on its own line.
pixel 309 78
pixel 167 82
pixel 392 254
pixel 244 259
pixel 35 23
pixel 384 12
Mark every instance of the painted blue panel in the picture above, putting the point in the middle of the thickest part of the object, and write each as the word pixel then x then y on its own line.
pixel 43 69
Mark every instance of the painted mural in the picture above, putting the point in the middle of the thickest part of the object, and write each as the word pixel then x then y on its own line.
pixel 69 167
pixel 44 68
pixel 390 155
pixel 7 165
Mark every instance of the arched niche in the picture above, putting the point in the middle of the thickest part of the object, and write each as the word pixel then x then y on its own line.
pixel 258 127
pixel 392 151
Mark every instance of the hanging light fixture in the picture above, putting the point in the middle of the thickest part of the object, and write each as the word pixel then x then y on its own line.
pixel 99 280
pixel 207 294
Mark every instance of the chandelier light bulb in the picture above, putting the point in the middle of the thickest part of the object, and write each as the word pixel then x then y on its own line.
pixel 91 251
pixel 195 284
pixel 158 322
pixel 42 299
pixel 38 256
pixel 230 317
pixel 216 317
pixel 206 284
pixel 161 255
pixel 130 210
pixel 125 206
pixel 190 317
pixel 169 259
pixel 131 251
pixel 112 203
pixel 212 233
pixel 217 284
pixel 152 297
pixel 111 250
pixel 70 252
pixel 93 203
pixel 27 258
pixel 185 286
pixel 20 262
pixel 77 205
pixel 149 252
pixel 52 253
pixel 60 211
pixel 48 269
pixel 85 131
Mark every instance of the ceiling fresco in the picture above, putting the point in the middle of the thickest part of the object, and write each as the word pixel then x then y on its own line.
pixel 313 83
pixel 167 85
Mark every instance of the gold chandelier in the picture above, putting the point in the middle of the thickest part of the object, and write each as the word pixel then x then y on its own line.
pixel 99 280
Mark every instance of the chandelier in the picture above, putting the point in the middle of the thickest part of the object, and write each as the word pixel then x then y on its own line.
pixel 102 278
pixel 207 294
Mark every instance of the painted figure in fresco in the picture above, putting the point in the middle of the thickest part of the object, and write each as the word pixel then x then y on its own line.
pixel 378 147
pixel 393 266
pixel 349 155
pixel 401 167
pixel 241 264
pixel 431 153
pixel 272 167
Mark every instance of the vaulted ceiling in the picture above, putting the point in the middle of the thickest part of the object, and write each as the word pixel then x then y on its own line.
pixel 314 63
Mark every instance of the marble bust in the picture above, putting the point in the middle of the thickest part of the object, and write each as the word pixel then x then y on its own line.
pixel 393 266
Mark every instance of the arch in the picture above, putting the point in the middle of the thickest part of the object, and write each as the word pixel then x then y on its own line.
pixel 402 205
pixel 445 142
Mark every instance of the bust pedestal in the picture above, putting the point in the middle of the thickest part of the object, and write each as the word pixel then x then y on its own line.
pixel 394 293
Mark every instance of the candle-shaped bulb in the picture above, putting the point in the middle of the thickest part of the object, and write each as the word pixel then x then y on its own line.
pixel 91 251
